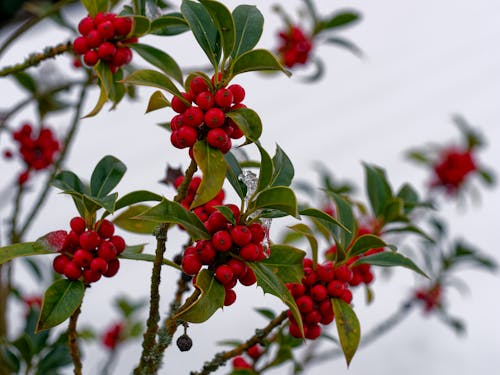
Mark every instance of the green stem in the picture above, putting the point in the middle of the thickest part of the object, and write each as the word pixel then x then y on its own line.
pixel 73 342
pixel 36 58
pixel 222 357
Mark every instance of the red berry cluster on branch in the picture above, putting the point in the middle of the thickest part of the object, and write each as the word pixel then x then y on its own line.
pixel 295 46
pixel 37 150
pixel 431 298
pixel 89 254
pixel 104 37
pixel 228 243
pixel 452 169
pixel 319 285
pixel 111 337
pixel 202 114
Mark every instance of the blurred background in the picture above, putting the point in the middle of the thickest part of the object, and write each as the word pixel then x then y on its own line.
pixel 423 62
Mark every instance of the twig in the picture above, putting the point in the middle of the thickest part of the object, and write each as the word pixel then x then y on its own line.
pixel 73 342
pixel 36 58
pixel 221 358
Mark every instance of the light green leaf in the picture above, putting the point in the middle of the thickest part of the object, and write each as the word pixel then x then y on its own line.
pixel 159 59
pixel 347 327
pixel 157 101
pixel 127 220
pixel 278 198
pixel 304 230
pixel 286 262
pixel 140 26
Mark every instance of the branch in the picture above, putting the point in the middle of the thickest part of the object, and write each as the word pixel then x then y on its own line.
pixel 36 58
pixel 221 358
pixel 73 342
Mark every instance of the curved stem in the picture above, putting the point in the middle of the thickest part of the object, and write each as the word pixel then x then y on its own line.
pixel 222 357
pixel 36 58
pixel 73 342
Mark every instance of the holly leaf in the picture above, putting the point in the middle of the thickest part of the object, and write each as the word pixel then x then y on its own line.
pixel 305 231
pixel 257 60
pixel 286 262
pixel 283 168
pixel 106 175
pixel 248 121
pixel 266 169
pixel 160 59
pixel 169 24
pixel 232 174
pixel 347 327
pixel 157 101
pixel 390 259
pixel 127 222
pixel 249 23
pixel 377 187
pixel 224 22
pixel 153 78
pixel 279 198
pixel 366 242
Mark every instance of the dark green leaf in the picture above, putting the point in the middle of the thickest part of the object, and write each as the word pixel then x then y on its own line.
pixel 233 173
pixel 324 218
pixel 279 198
pixel 10 252
pixel 169 24
pixel 95 6
pixel 203 28
pixel 141 25
pixel 25 346
pixel 377 187
pixel 58 356
pixel 227 213
pixel 223 20
pixel 266 170
pixel 211 299
pixel 286 262
pixel 306 231
pixel 248 121
pixel 128 254
pixel 410 229
pixel 257 60
pixel 128 308
pixel 347 327
pixel 68 181
pixel 10 360
pixel 487 176
pixel 153 78
pixel 419 157
pixel 339 19
pixel 393 211
pixel 61 300
pixel 364 243
pixel 266 313
pixel 157 101
pixel 106 175
pixel 213 165
pixel 160 59
pixel 283 169
pixel 137 196
pixel 249 23
pixel 93 204
pixel 390 259
pixel 172 212
pixel 127 220
pixel 346 217
pixel 26 81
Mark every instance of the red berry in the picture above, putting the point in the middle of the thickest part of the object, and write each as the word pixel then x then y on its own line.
pixel 312 317
pixel 235 132
pixel 99 265
pixel 217 79
pixel 89 240
pixel 254 351
pixel 72 271
pixel 107 251
pixel 258 232
pixel 60 262
pixel 238 93
pixel 224 274
pixel 230 297
pixel 90 276
pixel 217 138
pixel 80 45
pixel 236 211
pixel 250 252
pixel 297 290
pixel 294 330
pixel 123 25
pixel 106 30
pixel 310 277
pixel 327 318
pixel 224 98
pixel 335 288
pixel 313 331
pixel 93 39
pixel 226 146
pixel 86 25
pixel 319 292
pixel 325 307
pixel 187 136
pixel 237 266
pixel 198 85
pixel 248 278
pixel 178 105
pixel 105 228
pixel 241 235
pixel 214 118
pixel 346 295
pixel 77 224
pixel 90 58
pixel 191 265
pixel 325 272
pixel 193 116
pixel 305 304
pixel 307 263
pixel 176 123
pixel 207 253
pixel 82 258
pixel 240 362
pixel 113 267
pixel 123 56
pixel 119 243
pixel 222 240
pixel 106 51
pixel 343 273
pixel 205 100
pixel 216 221
pixel 368 277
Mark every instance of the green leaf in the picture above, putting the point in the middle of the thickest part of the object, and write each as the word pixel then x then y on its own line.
pixel 347 327
pixel 141 25
pixel 25 346
pixel 249 23
pixel 61 300
pixel 58 356
pixel 172 212
pixel 127 220
pixel 95 6
pixel 153 78
pixel 93 204
pixel 248 121
pixel 266 313
pixel 128 254
pixel 266 170
pixel 283 169
pixel 346 217
pixel 393 211
pixel 103 98
pixel 10 360
pixel 279 198
pixel 203 28
pixel 69 182
pixel 24 249
pixel 157 101
pixel 410 229
pixel 211 299
pixel 390 259
pixel 160 59
pixel 377 187
pixel 26 81
pixel 232 174
pixel 227 213
pixel 106 175
pixel 286 262
pixel 327 220
pixel 337 20
pixel 487 176
pixel 169 24
pixel 213 166
pixel 223 20
pixel 306 231
pixel 107 80
pixel 346 44
pixel 257 60
pixel 364 243
pixel 137 196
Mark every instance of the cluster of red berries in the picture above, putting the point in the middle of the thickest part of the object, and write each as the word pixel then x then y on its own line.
pixel 319 285
pixel 37 150
pixel 104 37
pixel 112 336
pixel 89 253
pixel 207 119
pixel 294 47
pixel 430 297
pixel 254 352
pixel 453 168
pixel 227 240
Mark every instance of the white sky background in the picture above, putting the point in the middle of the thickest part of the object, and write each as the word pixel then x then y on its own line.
pixel 425 61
